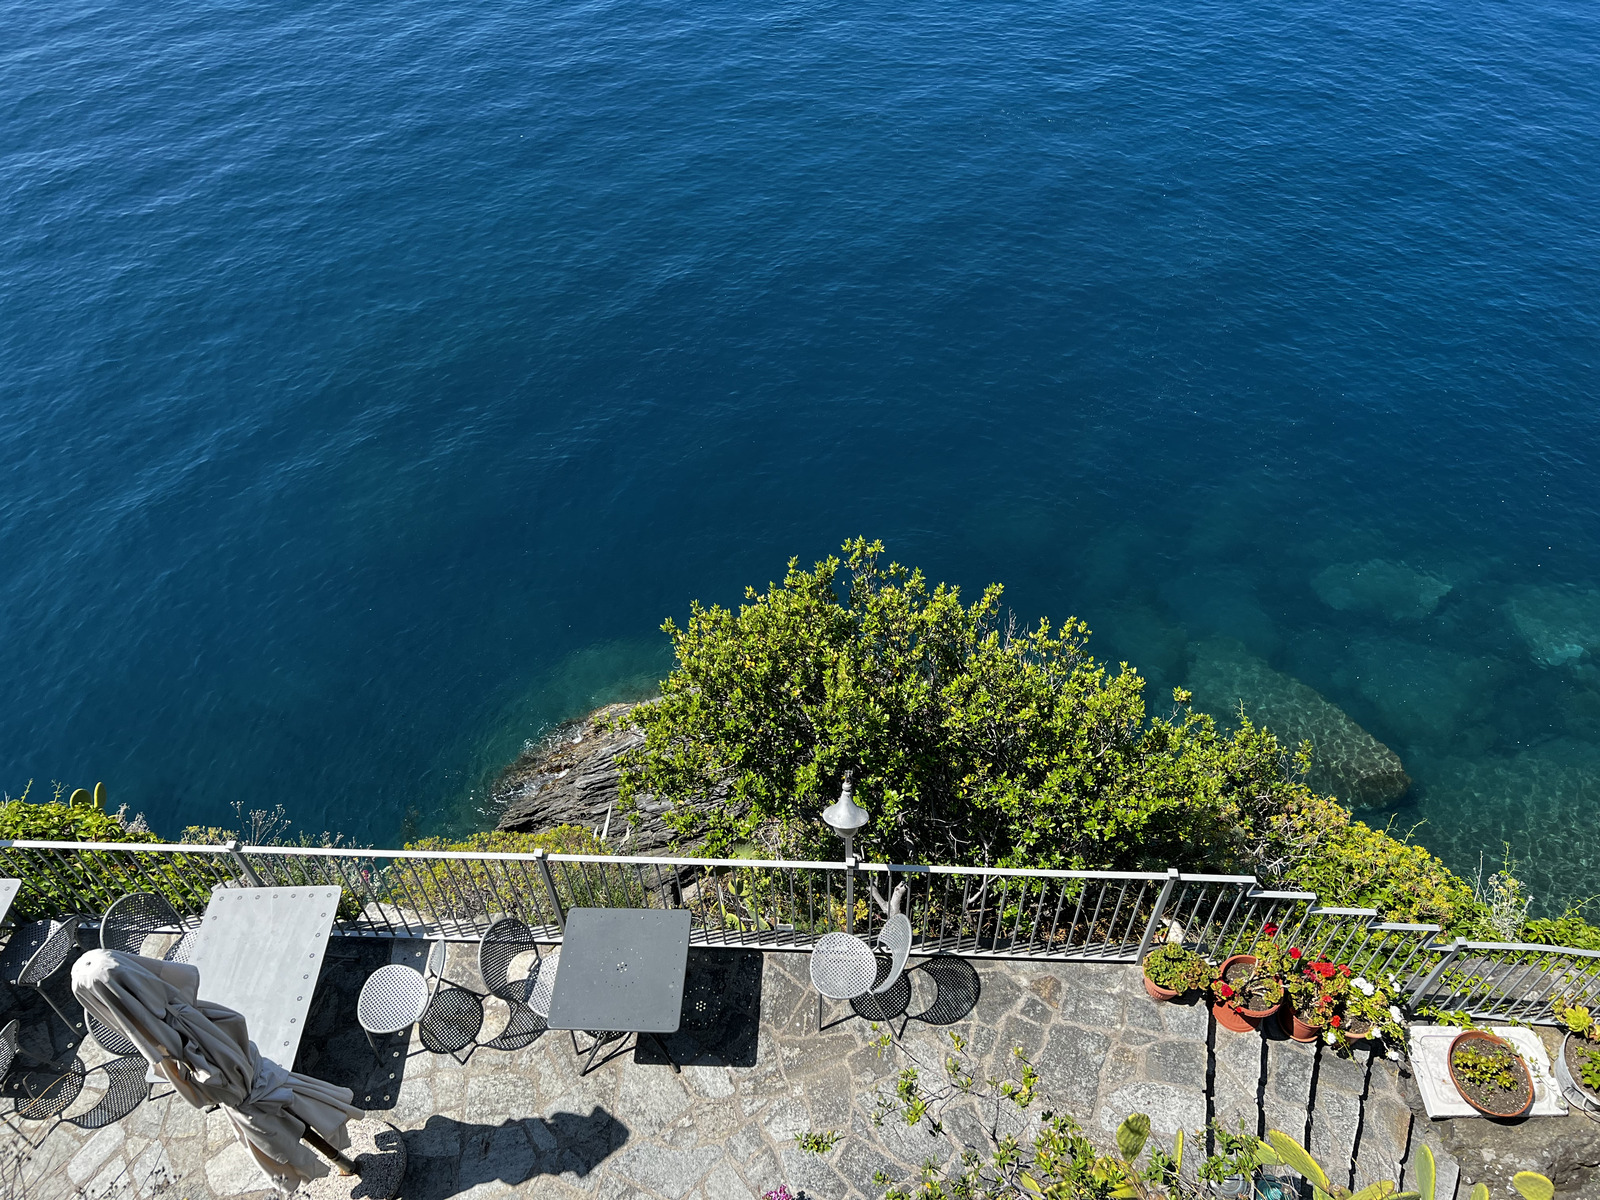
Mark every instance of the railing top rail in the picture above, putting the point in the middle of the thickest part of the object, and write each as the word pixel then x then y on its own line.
pixel 1520 948
pixel 140 847
pixel 622 860
pixel 1342 912
pixel 1406 927
pixel 1283 895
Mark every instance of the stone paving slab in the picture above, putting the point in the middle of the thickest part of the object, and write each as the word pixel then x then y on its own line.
pixel 758 1072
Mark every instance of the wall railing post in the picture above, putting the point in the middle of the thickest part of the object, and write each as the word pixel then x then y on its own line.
pixel 850 893
pixel 1426 986
pixel 242 863
pixel 543 860
pixel 1160 911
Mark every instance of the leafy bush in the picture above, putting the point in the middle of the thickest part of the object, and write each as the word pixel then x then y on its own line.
pixel 89 882
pixel 1357 866
pixel 563 839
pixel 971 740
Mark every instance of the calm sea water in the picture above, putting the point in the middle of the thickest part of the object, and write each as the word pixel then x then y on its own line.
pixel 376 378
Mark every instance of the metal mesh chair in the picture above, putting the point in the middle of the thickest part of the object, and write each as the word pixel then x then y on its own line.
pixel 503 951
pixel 45 970
pixel 398 996
pixel 126 1089
pixel 133 920
pixel 842 968
pixel 41 1091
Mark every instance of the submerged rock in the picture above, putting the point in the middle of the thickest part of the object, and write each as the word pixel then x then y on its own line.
pixel 1559 624
pixel 1392 590
pixel 1347 760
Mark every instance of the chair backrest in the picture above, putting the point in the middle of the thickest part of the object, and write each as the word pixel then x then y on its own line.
pixel 8 1047
pixel 135 917
pixel 499 947
pixel 895 937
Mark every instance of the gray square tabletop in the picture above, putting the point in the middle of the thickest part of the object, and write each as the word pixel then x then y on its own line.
pixel 621 970
pixel 259 951
pixel 8 893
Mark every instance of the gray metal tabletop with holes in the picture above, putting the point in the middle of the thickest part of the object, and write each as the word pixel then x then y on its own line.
pixel 259 951
pixel 622 969
pixel 8 893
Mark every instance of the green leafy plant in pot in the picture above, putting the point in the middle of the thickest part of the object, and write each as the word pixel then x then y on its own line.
pixel 1490 1074
pixel 1171 971
pixel 1577 1065
pixel 1248 988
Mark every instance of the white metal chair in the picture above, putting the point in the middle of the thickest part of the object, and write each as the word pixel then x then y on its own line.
pixel 398 996
pixel 843 967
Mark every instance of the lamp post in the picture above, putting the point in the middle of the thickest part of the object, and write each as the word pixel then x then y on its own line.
pixel 844 816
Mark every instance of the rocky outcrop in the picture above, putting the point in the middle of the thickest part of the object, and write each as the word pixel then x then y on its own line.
pixel 1347 762
pixel 1392 590
pixel 1560 625
pixel 571 778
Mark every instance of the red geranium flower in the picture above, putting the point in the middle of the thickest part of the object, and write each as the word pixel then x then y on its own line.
pixel 1295 952
pixel 1323 969
pixel 1345 971
pixel 1269 929
pixel 1336 1021
pixel 1225 991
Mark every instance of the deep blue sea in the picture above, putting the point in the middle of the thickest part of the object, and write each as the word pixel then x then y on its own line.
pixel 376 378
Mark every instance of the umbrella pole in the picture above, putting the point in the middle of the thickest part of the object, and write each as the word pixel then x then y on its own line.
pixel 346 1167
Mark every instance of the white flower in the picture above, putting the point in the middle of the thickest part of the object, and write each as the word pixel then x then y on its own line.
pixel 1394 1011
pixel 1360 981
pixel 1393 1054
pixel 1329 1037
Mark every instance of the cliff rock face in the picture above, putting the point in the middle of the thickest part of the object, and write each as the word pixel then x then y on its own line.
pixel 572 779
pixel 1347 761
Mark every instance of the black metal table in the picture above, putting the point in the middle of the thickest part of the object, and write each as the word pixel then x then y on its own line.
pixel 621 972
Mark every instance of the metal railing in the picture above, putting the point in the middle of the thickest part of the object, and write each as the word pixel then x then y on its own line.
pixel 1082 916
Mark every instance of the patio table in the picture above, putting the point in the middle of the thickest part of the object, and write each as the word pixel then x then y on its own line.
pixel 621 971
pixel 8 893
pixel 259 951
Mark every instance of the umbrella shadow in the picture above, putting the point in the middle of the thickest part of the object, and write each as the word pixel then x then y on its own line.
pixel 447 1157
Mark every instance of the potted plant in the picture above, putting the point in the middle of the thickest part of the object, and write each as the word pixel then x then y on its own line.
pixel 1314 993
pixel 1490 1074
pixel 1171 970
pixel 1247 990
pixel 1327 1000
pixel 1577 1066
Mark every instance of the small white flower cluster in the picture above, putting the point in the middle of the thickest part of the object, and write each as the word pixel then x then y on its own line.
pixel 1360 981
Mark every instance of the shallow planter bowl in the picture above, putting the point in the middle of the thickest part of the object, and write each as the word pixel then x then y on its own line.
pixel 1475 1035
pixel 1571 1086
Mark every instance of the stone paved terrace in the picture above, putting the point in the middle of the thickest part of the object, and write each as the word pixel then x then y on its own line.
pixel 759 1073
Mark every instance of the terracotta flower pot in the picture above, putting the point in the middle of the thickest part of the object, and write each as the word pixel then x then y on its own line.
pixel 1518 1067
pixel 1294 1026
pixel 1240 1020
pixel 1157 992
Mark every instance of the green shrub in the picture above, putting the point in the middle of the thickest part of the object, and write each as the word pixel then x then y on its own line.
pixel 563 839
pixel 87 883
pixel 1357 866
pixel 971 740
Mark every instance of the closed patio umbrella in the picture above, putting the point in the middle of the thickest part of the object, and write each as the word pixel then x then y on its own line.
pixel 205 1052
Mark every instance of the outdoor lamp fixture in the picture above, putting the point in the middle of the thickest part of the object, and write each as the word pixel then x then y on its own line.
pixel 844 816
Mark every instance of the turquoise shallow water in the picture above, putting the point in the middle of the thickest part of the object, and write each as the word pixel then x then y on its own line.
pixel 376 379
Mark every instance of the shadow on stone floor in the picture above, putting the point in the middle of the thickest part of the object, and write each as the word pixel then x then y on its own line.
pixel 448 1157
pixel 333 1047
pixel 721 1019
